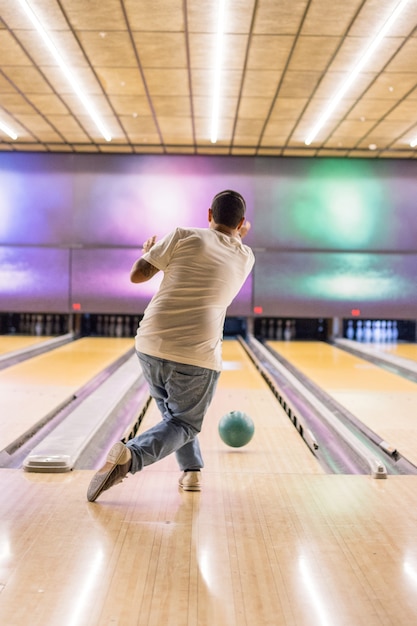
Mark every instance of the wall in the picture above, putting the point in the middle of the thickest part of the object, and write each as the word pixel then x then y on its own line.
pixel 329 235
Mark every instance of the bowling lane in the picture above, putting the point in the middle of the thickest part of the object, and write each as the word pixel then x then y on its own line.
pixel 31 390
pixel 256 546
pixel 12 343
pixel 382 400
pixel 276 446
pixel 402 350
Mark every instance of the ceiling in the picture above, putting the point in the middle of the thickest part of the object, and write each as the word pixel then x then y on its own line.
pixel 147 66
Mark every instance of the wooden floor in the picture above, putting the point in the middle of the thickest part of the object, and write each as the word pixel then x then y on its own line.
pixel 271 540
pixel 10 343
pixel 385 402
pixel 403 350
pixel 37 387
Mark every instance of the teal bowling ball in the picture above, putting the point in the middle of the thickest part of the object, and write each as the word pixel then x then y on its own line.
pixel 236 429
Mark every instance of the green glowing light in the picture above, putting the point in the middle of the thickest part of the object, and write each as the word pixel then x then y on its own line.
pixel 337 205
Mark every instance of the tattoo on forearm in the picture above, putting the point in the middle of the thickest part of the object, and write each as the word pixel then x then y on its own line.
pixel 147 269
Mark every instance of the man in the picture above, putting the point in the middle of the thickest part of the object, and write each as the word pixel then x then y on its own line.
pixel 180 336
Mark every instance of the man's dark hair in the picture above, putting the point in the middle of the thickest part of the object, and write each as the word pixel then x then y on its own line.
pixel 228 208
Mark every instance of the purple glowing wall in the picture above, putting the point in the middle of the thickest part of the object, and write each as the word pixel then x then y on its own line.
pixel 328 234
pixel 34 279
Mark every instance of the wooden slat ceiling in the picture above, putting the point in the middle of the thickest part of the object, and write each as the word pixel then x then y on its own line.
pixel 147 65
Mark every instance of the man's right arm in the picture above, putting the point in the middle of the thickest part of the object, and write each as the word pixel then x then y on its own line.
pixel 142 271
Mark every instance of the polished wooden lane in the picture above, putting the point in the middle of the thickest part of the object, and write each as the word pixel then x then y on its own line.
pixel 402 350
pixel 383 401
pixel 31 390
pixel 266 542
pixel 276 445
pixel 12 343
pixel 254 548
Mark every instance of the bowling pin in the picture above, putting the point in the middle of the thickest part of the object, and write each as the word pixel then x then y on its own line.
pixel 287 330
pixel 38 326
pixel 48 325
pixel 119 327
pixel 127 326
pixel 383 331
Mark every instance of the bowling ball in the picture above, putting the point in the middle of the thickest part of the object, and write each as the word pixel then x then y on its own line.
pixel 236 429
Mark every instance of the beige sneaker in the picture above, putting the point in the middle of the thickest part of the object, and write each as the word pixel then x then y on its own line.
pixel 190 481
pixel 117 465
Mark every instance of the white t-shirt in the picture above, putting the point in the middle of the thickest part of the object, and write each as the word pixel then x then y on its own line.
pixel 203 271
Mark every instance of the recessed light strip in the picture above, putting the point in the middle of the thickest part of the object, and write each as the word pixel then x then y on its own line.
pixel 65 69
pixel 8 131
pixel 217 73
pixel 366 56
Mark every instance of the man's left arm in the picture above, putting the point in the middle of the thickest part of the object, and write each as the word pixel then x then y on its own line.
pixel 244 229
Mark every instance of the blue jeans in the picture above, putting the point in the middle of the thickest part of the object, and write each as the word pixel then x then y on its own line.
pixel 183 394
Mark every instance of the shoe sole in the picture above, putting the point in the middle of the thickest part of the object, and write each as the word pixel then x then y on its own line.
pixel 190 487
pixel 99 481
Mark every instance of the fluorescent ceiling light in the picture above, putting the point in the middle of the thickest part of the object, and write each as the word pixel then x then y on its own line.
pixel 217 73
pixel 358 67
pixel 8 131
pixel 65 69
pixel 413 143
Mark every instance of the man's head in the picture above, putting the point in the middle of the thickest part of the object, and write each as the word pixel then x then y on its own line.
pixel 228 208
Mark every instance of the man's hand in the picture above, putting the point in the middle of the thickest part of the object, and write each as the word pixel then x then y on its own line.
pixel 245 228
pixel 149 243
